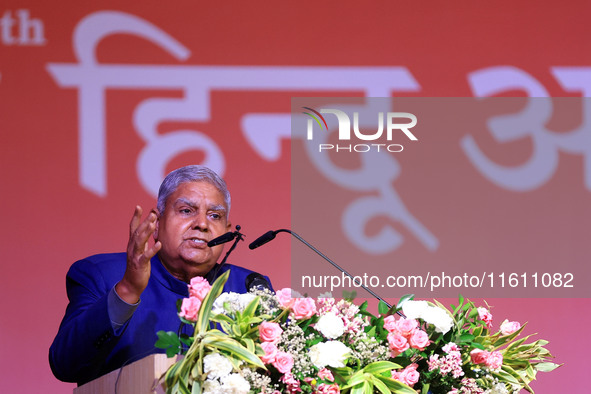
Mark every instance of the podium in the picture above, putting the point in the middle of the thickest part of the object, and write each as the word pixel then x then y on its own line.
pixel 140 377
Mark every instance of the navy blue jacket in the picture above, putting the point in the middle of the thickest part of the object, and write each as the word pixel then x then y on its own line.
pixel 86 345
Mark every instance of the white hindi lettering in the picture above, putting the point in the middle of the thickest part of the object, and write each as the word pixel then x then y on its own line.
pixel 92 79
pixel 264 132
pixel 531 122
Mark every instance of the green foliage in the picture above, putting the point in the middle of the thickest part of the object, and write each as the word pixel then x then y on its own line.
pixel 235 342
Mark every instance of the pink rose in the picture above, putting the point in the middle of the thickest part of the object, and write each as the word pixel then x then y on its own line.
pixel 190 308
pixel 270 352
pixel 390 323
pixel 397 343
pixel 479 356
pixel 485 316
pixel 409 375
pixel 199 287
pixel 407 326
pixel 283 362
pixel 419 339
pixel 303 308
pixel 494 360
pixel 326 374
pixel 328 389
pixel 269 332
pixel 509 327
pixel 284 297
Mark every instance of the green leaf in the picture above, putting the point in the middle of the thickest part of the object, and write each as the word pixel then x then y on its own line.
pixel 382 308
pixel 357 390
pixel 183 386
pixel 220 317
pixel 396 386
pixel 196 389
pixel 466 337
pixel 363 307
pixel 207 304
pixel 403 299
pixel 166 339
pixel 380 385
pixel 235 349
pixel 251 308
pixel 355 380
pixel 249 343
pixel 378 367
pixel 546 367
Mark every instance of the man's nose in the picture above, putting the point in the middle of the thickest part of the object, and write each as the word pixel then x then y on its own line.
pixel 200 222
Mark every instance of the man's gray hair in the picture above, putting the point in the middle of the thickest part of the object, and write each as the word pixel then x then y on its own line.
pixel 194 173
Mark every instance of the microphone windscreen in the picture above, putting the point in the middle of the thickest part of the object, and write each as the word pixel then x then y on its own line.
pixel 256 281
pixel 229 236
pixel 263 239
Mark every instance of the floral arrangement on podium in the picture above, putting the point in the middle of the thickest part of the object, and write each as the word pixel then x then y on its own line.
pixel 272 343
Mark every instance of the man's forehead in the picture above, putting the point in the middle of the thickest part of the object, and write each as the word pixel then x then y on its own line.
pixel 183 195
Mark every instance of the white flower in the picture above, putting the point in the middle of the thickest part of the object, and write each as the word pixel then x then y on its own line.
pixel 212 387
pixel 216 366
pixel 235 302
pixel 498 388
pixel 218 305
pixel 327 294
pixel 244 300
pixel 330 325
pixel 331 353
pixel 439 318
pixel 235 384
pixel 414 309
pixel 430 314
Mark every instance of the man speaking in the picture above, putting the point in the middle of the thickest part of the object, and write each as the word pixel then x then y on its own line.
pixel 117 302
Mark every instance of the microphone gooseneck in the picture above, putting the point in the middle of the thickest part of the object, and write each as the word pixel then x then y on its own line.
pixel 270 235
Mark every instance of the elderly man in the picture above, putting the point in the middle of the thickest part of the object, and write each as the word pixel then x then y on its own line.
pixel 119 301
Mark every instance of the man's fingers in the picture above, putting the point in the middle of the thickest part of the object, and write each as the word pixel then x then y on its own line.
pixel 153 250
pixel 144 231
pixel 135 220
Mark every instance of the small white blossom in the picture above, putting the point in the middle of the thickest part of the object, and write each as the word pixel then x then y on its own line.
pixel 212 387
pixel 430 314
pixel 331 353
pixel 330 325
pixel 235 302
pixel 414 309
pixel 216 366
pixel 439 318
pixel 235 384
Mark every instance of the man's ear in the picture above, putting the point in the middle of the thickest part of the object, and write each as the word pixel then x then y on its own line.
pixel 155 235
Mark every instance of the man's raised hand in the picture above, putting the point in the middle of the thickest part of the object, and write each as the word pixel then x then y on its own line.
pixel 139 253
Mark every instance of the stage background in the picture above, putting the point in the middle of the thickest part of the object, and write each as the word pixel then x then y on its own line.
pixel 98 101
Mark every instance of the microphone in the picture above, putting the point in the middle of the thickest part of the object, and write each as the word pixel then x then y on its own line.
pixel 222 239
pixel 256 281
pixel 263 239
pixel 270 235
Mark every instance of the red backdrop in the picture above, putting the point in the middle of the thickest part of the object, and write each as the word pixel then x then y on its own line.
pixel 98 101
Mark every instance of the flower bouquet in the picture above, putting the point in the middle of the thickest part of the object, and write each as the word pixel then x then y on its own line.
pixel 274 343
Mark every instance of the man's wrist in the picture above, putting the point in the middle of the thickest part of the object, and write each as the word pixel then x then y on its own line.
pixel 119 310
pixel 127 293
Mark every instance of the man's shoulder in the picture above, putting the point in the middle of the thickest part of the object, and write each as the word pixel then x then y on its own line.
pixel 237 270
pixel 104 264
